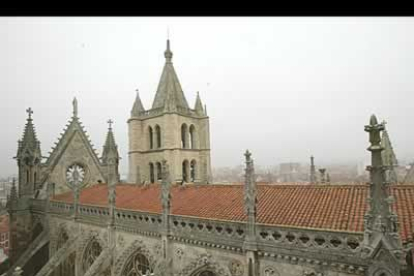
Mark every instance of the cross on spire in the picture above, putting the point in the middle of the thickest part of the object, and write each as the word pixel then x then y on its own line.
pixel 110 122
pixel 30 112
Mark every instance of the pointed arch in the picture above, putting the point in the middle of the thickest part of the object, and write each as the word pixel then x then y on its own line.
pixel 151 172
pixel 204 272
pixel 92 251
pixel 135 259
pixel 193 170
pixel 203 265
pixel 37 230
pixel 158 135
pixel 150 137
pixel 193 137
pixel 67 267
pixel 62 238
pixel 159 171
pixel 185 170
pixel 184 136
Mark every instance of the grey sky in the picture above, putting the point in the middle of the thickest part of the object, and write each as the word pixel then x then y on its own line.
pixel 285 88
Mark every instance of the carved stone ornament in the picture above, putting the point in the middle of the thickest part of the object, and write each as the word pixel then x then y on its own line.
pixel 236 268
pixel 179 252
pixel 121 241
pixel 270 271
pixel 203 261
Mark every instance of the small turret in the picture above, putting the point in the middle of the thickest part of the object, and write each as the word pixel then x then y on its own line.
pixel 198 107
pixel 28 158
pixel 138 107
pixel 110 155
pixel 382 243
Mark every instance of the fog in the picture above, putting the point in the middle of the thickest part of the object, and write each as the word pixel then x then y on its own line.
pixel 284 88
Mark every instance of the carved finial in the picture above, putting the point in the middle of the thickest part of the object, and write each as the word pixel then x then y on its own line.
pixel 373 120
pixel 75 107
pixel 374 130
pixel 29 112
pixel 248 155
pixel 168 54
pixel 110 122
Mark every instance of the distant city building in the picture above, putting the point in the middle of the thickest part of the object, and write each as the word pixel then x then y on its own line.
pixel 4 233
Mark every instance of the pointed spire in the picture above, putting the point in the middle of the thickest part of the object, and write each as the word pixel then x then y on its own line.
pixel 29 142
pixel 388 157
pixel 380 223
pixel 312 171
pixel 169 94
pixel 198 107
pixel 13 191
pixel 137 108
pixel 110 153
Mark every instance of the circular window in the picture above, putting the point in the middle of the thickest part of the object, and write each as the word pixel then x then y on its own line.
pixel 75 174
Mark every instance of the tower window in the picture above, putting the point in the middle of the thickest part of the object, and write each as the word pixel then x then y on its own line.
pixel 184 136
pixel 192 137
pixel 193 170
pixel 152 178
pixel 185 170
pixel 158 134
pixel 150 137
pixel 27 176
pixel 159 171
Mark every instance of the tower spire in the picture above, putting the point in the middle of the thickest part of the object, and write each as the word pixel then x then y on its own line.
pixel 169 95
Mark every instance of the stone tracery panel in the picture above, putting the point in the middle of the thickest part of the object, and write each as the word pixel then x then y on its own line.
pixel 89 249
pixel 134 260
pixel 204 266
pixel 91 253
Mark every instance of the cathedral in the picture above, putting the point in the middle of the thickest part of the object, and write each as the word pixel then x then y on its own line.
pixel 70 215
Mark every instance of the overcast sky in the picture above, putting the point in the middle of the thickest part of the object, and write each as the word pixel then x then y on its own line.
pixel 285 88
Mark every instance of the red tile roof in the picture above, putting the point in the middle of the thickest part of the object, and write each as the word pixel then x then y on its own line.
pixel 329 207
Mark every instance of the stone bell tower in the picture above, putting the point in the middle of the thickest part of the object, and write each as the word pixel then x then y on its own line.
pixel 170 130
